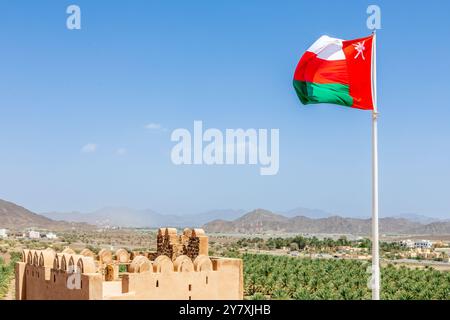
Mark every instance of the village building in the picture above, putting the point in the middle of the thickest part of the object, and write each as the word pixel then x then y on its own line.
pixel 3 233
pixel 423 244
pixel 407 243
pixel 34 234
pixel 51 236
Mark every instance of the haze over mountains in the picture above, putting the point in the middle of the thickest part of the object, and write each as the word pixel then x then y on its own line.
pixel 128 217
pixel 299 220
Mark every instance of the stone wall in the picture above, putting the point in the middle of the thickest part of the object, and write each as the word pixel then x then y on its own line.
pixel 179 269
pixel 192 242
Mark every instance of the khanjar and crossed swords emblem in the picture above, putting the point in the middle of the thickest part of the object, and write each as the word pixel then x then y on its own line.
pixel 359 47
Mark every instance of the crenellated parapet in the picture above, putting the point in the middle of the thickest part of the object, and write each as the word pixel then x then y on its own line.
pixel 192 242
pixel 87 262
pixel 179 269
pixel 51 260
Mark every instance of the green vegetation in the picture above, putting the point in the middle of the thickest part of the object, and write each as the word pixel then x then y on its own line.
pixel 297 242
pixel 7 272
pixel 122 268
pixel 302 243
pixel 279 277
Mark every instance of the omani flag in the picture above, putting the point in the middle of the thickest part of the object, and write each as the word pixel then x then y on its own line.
pixel 336 71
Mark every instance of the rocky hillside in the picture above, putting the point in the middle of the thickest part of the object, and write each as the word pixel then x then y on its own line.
pixel 15 217
pixel 263 221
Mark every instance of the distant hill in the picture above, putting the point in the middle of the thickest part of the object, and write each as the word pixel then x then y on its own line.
pixel 299 220
pixel 259 220
pixel 263 221
pixel 15 217
pixel 435 228
pixel 417 218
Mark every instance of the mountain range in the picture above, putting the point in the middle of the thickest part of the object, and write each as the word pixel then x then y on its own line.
pixel 264 221
pixel 299 220
pixel 128 217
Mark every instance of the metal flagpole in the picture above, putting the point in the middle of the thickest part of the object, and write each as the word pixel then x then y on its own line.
pixel 375 238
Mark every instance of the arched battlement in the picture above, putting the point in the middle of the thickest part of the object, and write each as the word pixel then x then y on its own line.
pixel 161 231
pixel 187 232
pixel 105 256
pixel 72 265
pixel 122 256
pixel 86 265
pixel 46 258
pixel 30 257
pixel 203 263
pixel 87 253
pixel 57 261
pixel 140 264
pixel 36 258
pixel 64 262
pixel 25 255
pixel 68 251
pixel 135 254
pixel 183 264
pixel 198 232
pixel 163 264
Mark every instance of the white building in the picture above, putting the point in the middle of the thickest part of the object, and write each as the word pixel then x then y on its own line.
pixel 407 243
pixel 34 234
pixel 423 244
pixel 51 235
pixel 3 233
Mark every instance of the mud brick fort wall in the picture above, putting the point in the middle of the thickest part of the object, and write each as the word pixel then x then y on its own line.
pixel 179 269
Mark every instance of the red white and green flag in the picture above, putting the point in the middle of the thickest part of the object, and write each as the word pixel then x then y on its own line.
pixel 338 72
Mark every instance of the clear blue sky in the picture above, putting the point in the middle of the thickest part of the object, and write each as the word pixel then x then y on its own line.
pixel 230 64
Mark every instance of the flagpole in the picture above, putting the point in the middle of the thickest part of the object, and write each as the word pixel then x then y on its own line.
pixel 375 236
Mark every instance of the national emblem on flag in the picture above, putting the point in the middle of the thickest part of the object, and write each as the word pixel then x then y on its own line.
pixel 338 72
